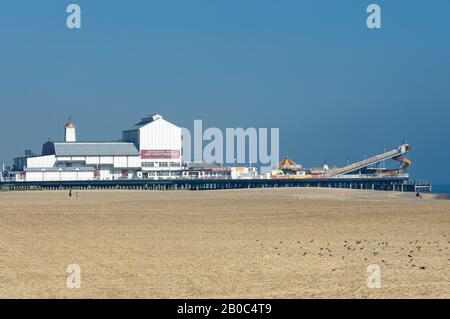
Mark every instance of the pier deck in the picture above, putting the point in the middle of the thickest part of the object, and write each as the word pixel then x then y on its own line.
pixel 385 183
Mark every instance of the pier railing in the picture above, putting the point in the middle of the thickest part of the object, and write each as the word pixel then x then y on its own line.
pixel 385 183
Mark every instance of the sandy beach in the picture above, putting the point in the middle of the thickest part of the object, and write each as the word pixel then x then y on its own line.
pixel 262 243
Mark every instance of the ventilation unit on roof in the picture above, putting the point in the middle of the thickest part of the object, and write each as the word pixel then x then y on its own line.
pixel 151 118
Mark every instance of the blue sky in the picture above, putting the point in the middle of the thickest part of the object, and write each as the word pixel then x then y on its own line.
pixel 334 88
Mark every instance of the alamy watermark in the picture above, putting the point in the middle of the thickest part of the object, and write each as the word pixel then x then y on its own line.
pixel 235 145
pixel 374 278
pixel 74 279
pixel 73 21
pixel 374 19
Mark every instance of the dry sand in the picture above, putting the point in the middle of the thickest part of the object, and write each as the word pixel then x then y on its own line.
pixel 264 243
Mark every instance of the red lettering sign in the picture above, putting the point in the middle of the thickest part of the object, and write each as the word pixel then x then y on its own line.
pixel 160 154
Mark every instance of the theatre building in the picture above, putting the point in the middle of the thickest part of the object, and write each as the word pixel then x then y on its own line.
pixel 150 149
pixel 159 145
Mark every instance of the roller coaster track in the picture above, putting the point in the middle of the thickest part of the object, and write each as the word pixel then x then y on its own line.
pixel 395 154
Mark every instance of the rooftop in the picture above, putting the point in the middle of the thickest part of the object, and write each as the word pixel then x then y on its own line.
pixel 90 149
pixel 70 124
pixel 145 120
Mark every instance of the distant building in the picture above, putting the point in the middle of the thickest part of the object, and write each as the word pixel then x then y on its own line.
pixel 159 145
pixel 244 172
pixel 196 170
pixel 20 162
pixel 150 149
pixel 96 160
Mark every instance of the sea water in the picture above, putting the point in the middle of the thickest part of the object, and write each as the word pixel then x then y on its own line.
pixel 441 189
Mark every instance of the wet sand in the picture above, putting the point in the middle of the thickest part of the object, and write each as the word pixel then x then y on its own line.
pixel 262 243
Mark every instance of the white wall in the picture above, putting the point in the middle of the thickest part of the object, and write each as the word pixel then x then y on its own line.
pixel 160 135
pixel 134 161
pixel 58 176
pixel 70 134
pixel 106 160
pixel 41 161
pixel 121 161
pixel 106 173
pixel 92 160
pixel 117 161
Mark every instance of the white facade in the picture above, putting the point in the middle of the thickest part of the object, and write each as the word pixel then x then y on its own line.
pixel 151 149
pixel 159 144
pixel 116 161
pixel 62 161
pixel 54 176
pixel 244 172
pixel 70 135
pixel 40 161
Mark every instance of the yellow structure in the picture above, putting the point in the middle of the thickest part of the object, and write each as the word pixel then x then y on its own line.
pixel 288 169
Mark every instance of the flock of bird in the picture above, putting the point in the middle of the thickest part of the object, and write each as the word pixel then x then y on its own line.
pixel 412 254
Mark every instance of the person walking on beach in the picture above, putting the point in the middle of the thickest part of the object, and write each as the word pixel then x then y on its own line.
pixel 70 192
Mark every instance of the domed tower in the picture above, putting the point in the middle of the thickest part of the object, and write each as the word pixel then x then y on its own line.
pixel 70 132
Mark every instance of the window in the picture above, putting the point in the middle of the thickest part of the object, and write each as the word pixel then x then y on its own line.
pixel 163 164
pixel 163 173
pixel 148 164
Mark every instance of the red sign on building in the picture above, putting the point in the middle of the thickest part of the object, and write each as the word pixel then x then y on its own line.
pixel 160 154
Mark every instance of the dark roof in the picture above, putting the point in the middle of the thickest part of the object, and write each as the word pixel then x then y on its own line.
pixel 90 149
pixel 144 121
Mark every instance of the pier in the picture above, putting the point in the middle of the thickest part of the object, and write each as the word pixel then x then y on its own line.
pixel 401 184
